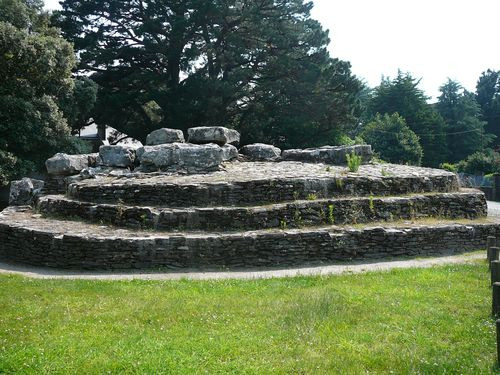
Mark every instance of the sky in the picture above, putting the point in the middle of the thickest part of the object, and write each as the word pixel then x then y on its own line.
pixel 432 39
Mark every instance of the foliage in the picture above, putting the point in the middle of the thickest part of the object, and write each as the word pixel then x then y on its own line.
pixel 353 162
pixel 401 95
pixel 79 104
pixel 35 68
pixel 464 128
pixel 426 321
pixel 259 66
pixel 484 162
pixel 449 167
pixel 488 98
pixel 393 139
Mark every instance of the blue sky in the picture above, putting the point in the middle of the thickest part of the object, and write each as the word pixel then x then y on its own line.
pixel 432 39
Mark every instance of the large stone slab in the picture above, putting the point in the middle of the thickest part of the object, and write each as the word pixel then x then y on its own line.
pixel 261 151
pixel 66 165
pixel 24 192
pixel 164 136
pixel 213 134
pixel 229 152
pixel 329 154
pixel 181 157
pixel 117 156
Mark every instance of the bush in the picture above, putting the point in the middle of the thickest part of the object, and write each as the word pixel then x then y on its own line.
pixel 449 167
pixel 393 139
pixel 353 162
pixel 484 162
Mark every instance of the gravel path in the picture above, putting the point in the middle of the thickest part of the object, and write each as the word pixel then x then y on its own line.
pixel 357 267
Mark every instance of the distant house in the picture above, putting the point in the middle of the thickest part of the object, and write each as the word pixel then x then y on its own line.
pixel 104 135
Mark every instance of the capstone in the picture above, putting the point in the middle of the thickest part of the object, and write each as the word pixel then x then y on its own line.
pixel 117 156
pixel 213 134
pixel 229 152
pixel 164 136
pixel 261 151
pixel 329 154
pixel 181 157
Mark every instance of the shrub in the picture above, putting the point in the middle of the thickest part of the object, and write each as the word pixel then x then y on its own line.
pixel 395 142
pixel 353 162
pixel 449 167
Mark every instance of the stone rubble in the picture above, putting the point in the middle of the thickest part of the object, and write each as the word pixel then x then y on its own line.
pixel 164 136
pixel 261 152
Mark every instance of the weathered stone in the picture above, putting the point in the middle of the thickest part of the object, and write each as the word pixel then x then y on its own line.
pixel 229 152
pixel 466 204
pixel 24 192
pixel 254 183
pixel 164 136
pixel 67 165
pixel 64 244
pixel 117 156
pixel 213 134
pixel 261 151
pixel 181 157
pixel 329 154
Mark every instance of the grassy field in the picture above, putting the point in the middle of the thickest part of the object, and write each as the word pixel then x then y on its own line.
pixel 405 321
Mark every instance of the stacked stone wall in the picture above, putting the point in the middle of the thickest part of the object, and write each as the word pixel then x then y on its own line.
pixel 467 204
pixel 249 249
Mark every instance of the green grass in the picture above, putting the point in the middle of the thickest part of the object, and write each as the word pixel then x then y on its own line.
pixel 406 321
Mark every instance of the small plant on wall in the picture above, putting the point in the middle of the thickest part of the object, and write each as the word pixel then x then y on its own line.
pixel 353 162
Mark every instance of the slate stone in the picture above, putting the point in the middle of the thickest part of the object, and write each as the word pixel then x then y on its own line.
pixel 213 134
pixel 164 136
pixel 261 151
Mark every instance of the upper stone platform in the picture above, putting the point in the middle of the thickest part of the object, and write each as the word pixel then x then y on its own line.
pixel 253 183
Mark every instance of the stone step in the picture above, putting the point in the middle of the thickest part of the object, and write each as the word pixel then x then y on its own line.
pixel 467 203
pixel 258 183
pixel 32 239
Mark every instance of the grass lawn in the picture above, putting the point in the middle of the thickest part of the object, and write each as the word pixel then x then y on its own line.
pixel 405 321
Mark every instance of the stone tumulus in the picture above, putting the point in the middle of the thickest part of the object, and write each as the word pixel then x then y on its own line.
pixel 206 205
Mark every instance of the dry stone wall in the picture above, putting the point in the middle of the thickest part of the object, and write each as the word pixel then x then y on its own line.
pixel 468 204
pixel 53 244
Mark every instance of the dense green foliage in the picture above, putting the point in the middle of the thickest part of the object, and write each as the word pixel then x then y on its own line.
pixel 35 66
pixel 464 128
pixel 488 97
pixel 259 66
pixel 393 140
pixel 481 162
pixel 419 321
pixel 401 95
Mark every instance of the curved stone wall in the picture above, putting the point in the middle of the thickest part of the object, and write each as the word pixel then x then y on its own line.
pixel 469 204
pixel 33 240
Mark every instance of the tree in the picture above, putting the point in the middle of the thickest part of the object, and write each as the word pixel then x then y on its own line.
pixel 35 68
pixel 260 66
pixel 464 128
pixel 401 95
pixel 391 137
pixel 488 97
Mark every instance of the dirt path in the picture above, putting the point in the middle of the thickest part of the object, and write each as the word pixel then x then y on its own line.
pixel 46 273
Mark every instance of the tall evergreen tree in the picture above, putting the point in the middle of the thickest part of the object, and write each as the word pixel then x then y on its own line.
pixel 465 130
pixel 261 66
pixel 488 97
pixel 402 95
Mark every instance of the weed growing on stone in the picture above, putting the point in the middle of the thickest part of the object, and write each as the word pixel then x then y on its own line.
pixel 331 217
pixel 372 206
pixel 296 195
pixel 283 224
pixel 385 173
pixel 312 197
pixel 340 183
pixel 353 162
pixel 297 218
